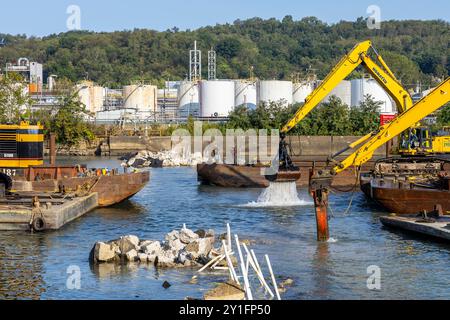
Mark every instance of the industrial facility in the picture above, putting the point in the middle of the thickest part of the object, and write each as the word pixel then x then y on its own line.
pixel 208 99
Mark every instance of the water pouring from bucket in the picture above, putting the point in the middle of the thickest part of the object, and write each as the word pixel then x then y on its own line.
pixel 282 190
pixel 280 194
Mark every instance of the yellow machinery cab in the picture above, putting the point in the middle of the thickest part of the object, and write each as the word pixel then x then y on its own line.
pixel 21 146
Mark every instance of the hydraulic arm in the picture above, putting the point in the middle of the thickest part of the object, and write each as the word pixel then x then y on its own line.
pixel 321 180
pixel 429 104
pixel 356 57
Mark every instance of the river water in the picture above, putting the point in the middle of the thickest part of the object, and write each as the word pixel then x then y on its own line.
pixel 36 266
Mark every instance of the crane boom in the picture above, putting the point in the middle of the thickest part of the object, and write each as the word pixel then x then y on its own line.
pixel 427 105
pixel 356 57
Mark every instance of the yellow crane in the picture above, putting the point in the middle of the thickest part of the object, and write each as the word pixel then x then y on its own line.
pixel 418 140
pixel 358 56
pixel 321 180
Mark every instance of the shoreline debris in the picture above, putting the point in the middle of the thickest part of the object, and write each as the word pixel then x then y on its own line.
pixel 244 266
pixel 144 158
pixel 186 248
pixel 180 248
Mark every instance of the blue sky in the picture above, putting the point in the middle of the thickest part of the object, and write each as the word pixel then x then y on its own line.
pixel 43 17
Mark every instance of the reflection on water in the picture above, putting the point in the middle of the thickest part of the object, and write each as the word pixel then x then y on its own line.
pixel 21 272
pixel 35 265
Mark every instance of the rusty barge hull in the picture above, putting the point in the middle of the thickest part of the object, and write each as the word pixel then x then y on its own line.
pixel 402 200
pixel 234 176
pixel 111 189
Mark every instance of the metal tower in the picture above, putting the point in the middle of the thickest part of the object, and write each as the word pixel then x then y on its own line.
pixel 212 64
pixel 195 64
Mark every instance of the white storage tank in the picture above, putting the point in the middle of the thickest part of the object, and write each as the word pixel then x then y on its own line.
pixel 140 97
pixel 188 99
pixel 302 90
pixel 245 94
pixel 274 91
pixel 368 86
pixel 343 91
pixel 216 98
pixel 92 96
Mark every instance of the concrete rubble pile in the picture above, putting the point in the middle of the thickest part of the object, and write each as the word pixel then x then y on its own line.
pixel 146 158
pixel 183 248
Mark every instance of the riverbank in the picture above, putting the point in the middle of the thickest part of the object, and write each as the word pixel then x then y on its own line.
pixel 302 146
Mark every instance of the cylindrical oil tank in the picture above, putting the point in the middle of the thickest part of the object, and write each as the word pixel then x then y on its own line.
pixel 92 96
pixel 274 91
pixel 216 98
pixel 302 90
pixel 368 86
pixel 188 99
pixel 343 91
pixel 245 94
pixel 140 97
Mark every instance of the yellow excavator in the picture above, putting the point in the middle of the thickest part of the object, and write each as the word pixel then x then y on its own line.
pixel 21 146
pixel 417 140
pixel 321 179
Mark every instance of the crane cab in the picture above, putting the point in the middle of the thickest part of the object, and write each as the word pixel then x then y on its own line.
pixel 416 140
pixel 21 146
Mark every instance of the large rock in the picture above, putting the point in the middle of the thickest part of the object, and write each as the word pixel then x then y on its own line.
pixel 151 247
pixel 103 252
pixel 142 257
pixel 127 244
pixel 188 236
pixel 205 233
pixel 173 235
pixel 132 255
pixel 200 247
pixel 166 259
pixel 133 239
pixel 174 245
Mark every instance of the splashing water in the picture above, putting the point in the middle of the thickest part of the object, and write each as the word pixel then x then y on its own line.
pixel 279 194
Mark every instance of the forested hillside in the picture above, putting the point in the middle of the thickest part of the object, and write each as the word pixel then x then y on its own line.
pixel 416 50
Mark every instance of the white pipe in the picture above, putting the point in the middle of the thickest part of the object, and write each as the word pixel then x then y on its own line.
pixel 273 277
pixel 244 272
pixel 260 275
pixel 230 264
pixel 255 260
pixel 229 235
pixel 211 262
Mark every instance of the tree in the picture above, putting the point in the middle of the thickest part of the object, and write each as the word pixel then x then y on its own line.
pixel 67 120
pixel 365 118
pixel 14 100
pixel 333 118
pixel 443 115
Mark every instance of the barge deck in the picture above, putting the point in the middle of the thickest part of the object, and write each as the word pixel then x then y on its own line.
pixel 51 213
pixel 436 228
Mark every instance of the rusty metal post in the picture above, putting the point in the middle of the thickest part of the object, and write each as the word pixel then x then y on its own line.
pixel 320 196
pixel 52 149
pixel 321 206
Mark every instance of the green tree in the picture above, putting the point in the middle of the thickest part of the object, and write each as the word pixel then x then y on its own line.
pixel 443 115
pixel 67 121
pixel 365 118
pixel 333 118
pixel 14 101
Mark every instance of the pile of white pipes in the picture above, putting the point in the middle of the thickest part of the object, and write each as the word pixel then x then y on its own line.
pixel 248 267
